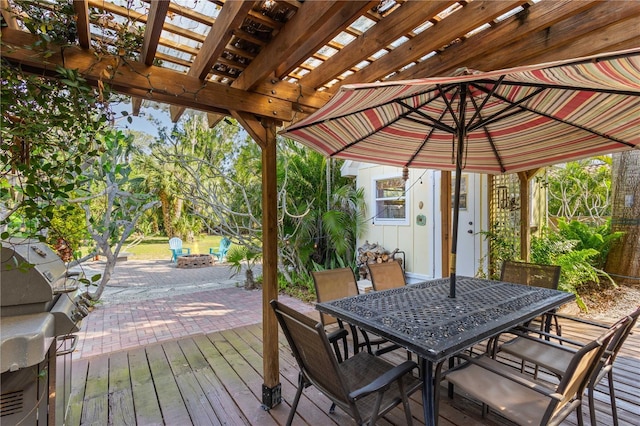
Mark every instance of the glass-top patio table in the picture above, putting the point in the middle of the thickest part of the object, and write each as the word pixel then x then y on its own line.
pixel 425 320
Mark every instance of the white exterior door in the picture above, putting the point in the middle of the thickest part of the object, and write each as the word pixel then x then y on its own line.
pixel 471 247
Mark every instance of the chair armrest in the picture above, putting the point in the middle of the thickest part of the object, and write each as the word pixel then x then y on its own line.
pixel 582 320
pixel 336 335
pixel 385 380
pixel 529 334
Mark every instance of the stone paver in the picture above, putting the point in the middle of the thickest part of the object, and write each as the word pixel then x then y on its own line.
pixel 153 301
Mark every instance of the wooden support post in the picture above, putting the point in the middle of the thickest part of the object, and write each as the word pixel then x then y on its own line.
pixel 264 133
pixel 525 213
pixel 445 215
pixel 270 268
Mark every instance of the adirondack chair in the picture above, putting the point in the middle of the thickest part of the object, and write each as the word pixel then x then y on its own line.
pixel 225 243
pixel 175 245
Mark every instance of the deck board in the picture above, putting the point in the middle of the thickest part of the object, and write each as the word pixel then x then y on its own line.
pixel 121 411
pixel 95 409
pixel 216 379
pixel 146 405
pixel 174 410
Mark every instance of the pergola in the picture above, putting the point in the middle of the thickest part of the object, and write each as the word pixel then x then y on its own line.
pixel 269 63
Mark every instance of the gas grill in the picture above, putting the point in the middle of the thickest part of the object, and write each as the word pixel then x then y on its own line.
pixel 40 309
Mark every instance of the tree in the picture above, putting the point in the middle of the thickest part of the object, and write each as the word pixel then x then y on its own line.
pixel 623 262
pixel 111 208
pixel 219 181
pixel 581 189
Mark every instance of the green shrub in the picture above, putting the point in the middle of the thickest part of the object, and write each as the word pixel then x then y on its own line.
pixel 301 286
pixel 599 238
pixel 579 249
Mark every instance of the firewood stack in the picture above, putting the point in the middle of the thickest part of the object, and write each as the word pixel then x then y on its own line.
pixel 374 253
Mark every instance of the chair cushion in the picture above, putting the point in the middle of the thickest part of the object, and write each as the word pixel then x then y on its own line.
pixel 512 400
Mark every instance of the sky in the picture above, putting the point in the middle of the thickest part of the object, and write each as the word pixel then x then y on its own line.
pixel 142 122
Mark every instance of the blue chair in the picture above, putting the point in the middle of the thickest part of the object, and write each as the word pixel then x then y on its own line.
pixel 225 243
pixel 175 245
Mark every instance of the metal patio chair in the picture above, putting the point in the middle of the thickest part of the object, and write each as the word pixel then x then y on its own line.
pixel 386 275
pixel 556 359
pixel 364 386
pixel 519 397
pixel 537 275
pixel 175 245
pixel 332 284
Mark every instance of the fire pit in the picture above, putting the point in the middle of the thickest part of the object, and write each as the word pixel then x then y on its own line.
pixel 195 261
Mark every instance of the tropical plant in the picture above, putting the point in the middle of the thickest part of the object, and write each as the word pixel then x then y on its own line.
pixel 239 256
pixel 589 236
pixel 576 269
pixel 48 136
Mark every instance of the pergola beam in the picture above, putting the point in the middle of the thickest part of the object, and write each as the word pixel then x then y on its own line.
pixel 593 30
pixel 329 29
pixel 150 82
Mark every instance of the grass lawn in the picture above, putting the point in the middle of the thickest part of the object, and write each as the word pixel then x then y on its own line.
pixel 157 248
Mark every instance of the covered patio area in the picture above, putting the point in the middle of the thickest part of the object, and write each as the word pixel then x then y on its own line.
pixel 215 378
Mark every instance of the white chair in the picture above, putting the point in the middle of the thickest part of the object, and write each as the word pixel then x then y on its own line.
pixel 175 245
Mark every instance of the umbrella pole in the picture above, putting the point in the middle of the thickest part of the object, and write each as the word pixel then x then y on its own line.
pixel 454 231
pixel 456 197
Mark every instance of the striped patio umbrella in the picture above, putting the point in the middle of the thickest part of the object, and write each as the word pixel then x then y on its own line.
pixel 485 122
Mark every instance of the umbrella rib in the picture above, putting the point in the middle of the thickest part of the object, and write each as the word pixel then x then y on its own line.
pixel 478 113
pixel 396 100
pixel 434 123
pixel 484 101
pixel 551 117
pixel 501 114
pixel 424 142
pixel 573 88
pixel 448 104
pixel 374 131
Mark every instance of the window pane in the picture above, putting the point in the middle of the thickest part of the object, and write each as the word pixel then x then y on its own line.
pixel 390 209
pixel 390 188
pixel 390 199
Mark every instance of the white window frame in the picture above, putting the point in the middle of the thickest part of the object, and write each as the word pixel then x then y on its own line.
pixel 377 220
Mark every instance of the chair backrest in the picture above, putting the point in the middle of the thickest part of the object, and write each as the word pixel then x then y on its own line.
pixel 616 343
pixel 386 275
pixel 583 365
pixel 175 243
pixel 225 243
pixel 533 274
pixel 312 351
pixel 332 284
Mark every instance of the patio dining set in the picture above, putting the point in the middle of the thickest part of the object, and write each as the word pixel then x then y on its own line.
pixel 514 317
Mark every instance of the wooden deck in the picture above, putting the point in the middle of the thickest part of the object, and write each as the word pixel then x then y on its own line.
pixel 216 379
